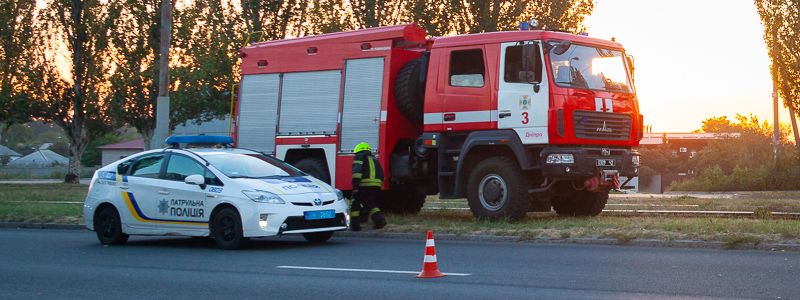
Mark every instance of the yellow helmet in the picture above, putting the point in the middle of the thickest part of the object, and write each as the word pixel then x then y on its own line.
pixel 361 147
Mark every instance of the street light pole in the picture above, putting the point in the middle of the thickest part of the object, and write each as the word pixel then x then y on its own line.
pixel 162 104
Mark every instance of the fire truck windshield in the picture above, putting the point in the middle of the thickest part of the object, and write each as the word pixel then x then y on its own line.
pixel 591 68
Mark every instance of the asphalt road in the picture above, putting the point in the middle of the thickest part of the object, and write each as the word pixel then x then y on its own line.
pixel 67 264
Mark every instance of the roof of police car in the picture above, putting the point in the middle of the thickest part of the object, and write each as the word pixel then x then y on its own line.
pixel 216 151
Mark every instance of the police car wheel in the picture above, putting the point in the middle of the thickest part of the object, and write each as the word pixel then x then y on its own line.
pixel 318 237
pixel 226 228
pixel 108 227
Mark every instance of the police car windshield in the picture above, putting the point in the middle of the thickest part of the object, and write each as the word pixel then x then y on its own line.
pixel 238 165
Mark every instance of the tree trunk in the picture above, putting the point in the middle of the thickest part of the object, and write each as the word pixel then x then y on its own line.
pixel 76 148
pixel 792 115
pixel 147 135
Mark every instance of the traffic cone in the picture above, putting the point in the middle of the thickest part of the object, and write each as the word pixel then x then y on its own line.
pixel 429 267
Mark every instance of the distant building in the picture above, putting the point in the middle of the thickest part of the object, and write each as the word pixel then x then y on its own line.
pixel 113 152
pixel 8 155
pixel 682 147
pixel 41 158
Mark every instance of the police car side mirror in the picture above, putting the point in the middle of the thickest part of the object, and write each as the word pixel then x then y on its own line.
pixel 198 180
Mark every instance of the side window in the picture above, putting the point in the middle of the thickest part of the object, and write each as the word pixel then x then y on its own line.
pixel 212 179
pixel 123 167
pixel 148 166
pixel 467 68
pixel 179 167
pixel 517 69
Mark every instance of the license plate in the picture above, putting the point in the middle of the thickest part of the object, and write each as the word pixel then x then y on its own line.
pixel 320 214
pixel 606 162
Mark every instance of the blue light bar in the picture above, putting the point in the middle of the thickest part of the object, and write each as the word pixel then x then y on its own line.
pixel 200 139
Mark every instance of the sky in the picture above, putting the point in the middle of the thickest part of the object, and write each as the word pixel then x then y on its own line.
pixel 694 59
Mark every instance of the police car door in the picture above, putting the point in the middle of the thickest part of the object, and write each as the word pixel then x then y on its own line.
pixel 184 205
pixel 523 100
pixel 140 191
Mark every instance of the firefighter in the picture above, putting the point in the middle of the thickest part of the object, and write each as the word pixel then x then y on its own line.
pixel 367 183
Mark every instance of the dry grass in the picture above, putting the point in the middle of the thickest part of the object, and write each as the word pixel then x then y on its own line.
pixel 624 229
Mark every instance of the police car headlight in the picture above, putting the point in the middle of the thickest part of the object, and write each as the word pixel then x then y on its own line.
pixel 339 195
pixel 263 197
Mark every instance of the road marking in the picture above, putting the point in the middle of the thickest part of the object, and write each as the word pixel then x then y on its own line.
pixel 361 270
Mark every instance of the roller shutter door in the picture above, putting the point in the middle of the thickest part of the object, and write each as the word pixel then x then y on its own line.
pixel 258 108
pixel 309 103
pixel 362 102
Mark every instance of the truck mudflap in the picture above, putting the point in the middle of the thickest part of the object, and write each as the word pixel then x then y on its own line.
pixel 599 168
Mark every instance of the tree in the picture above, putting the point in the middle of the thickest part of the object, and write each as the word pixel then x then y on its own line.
pixel 207 38
pixel 16 39
pixel 73 99
pixel 134 83
pixel 781 20
pixel 473 16
pixel 275 19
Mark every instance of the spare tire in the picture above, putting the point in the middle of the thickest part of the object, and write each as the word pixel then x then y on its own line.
pixel 409 89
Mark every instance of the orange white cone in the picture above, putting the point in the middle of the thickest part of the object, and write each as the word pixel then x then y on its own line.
pixel 429 267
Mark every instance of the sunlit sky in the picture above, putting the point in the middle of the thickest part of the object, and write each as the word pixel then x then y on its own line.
pixel 694 59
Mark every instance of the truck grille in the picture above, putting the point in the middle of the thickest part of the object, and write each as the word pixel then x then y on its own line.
pixel 594 125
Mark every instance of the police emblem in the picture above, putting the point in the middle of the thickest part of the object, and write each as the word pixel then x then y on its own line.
pixel 163 207
pixel 524 102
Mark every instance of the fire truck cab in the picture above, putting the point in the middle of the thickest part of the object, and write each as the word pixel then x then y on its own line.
pixel 513 121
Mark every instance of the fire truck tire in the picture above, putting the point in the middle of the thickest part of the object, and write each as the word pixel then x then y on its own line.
pixel 498 189
pixel 315 167
pixel 580 204
pixel 402 201
pixel 408 90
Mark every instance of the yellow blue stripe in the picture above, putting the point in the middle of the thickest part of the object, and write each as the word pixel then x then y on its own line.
pixel 137 214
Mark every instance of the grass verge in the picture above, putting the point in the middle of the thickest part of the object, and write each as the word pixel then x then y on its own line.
pixel 731 231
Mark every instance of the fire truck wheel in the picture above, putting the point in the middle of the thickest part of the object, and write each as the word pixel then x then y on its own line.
pixel 580 203
pixel 497 189
pixel 408 90
pixel 315 167
pixel 402 201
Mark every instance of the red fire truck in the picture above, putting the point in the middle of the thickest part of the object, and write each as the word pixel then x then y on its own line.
pixel 514 121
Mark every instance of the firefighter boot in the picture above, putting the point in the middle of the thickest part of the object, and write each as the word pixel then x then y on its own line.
pixel 355 223
pixel 378 221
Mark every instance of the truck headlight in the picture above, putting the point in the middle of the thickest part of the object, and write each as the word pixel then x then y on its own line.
pixel 339 195
pixel 263 197
pixel 560 158
pixel 635 160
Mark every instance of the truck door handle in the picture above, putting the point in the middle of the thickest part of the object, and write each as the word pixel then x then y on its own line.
pixel 504 114
pixel 163 192
pixel 449 117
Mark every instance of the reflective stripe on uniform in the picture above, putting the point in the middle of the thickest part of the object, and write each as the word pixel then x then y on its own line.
pixel 371 168
pixel 375 210
pixel 371 182
pixel 358 162
pixel 357 175
pixel 355 213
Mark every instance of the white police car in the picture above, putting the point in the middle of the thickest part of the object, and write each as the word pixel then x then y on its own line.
pixel 228 194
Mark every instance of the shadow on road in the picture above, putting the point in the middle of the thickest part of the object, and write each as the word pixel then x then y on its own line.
pixel 271 243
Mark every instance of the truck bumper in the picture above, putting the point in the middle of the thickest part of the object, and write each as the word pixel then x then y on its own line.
pixel 585 162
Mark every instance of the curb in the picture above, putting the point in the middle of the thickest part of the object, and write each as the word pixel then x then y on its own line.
pixel 27 225
pixel 503 239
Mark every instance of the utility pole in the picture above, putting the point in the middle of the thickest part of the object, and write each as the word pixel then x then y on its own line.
pixel 162 104
pixel 776 134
